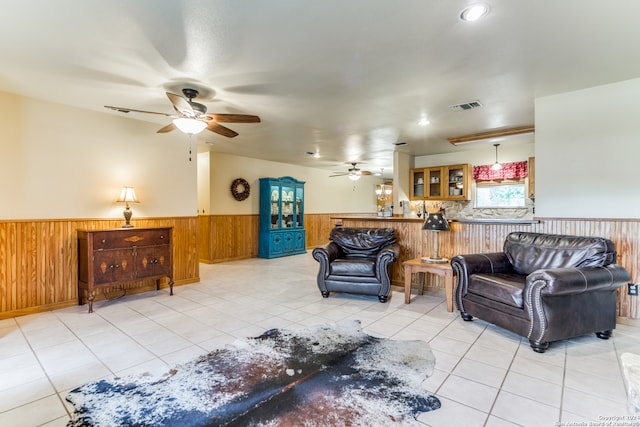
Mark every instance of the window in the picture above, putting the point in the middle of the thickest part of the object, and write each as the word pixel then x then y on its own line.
pixel 500 195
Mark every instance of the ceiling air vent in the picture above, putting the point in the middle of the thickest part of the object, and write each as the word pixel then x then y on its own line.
pixel 466 106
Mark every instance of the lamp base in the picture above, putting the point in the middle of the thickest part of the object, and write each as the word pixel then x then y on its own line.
pixel 127 217
pixel 429 260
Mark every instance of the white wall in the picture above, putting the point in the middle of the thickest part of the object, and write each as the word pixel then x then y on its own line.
pixel 587 152
pixel 63 162
pixel 402 164
pixel 322 194
pixel 204 183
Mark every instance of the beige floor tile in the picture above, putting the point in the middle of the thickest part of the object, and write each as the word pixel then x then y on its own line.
pixel 480 372
pixel 469 393
pixel 35 413
pixel 524 411
pixel 533 388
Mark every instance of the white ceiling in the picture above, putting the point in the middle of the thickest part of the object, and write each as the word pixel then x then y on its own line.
pixel 345 78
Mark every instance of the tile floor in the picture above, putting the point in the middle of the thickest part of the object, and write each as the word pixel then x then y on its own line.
pixel 484 376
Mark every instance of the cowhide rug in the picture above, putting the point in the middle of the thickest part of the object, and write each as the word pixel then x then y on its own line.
pixel 332 374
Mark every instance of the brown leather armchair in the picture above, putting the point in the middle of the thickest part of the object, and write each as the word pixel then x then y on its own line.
pixel 544 287
pixel 357 261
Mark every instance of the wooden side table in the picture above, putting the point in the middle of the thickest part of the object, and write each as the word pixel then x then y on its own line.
pixel 442 270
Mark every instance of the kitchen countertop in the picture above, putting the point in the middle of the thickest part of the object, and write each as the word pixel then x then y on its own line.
pixel 412 219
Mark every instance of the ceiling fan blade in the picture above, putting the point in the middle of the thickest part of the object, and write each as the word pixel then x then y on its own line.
pixel 219 129
pixel 131 110
pixel 234 118
pixel 366 173
pixel 181 105
pixel 167 128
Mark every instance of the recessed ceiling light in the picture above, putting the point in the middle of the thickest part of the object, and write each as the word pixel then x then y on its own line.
pixel 474 12
pixel 424 121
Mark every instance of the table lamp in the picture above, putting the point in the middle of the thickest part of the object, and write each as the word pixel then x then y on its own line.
pixel 128 194
pixel 435 222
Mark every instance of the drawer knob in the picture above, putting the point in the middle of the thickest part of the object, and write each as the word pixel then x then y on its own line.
pixel 162 236
pixel 103 241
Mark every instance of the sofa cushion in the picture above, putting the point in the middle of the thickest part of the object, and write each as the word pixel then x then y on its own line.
pixel 353 267
pixel 362 242
pixel 504 287
pixel 529 252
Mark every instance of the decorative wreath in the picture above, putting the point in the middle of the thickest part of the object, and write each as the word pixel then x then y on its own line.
pixel 240 189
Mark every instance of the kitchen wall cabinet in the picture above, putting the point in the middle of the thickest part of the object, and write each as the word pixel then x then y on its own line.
pixel 450 182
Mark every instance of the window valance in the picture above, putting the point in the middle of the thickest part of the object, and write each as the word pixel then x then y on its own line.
pixel 512 170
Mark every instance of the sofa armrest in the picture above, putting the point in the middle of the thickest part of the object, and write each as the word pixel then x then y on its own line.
pixel 565 281
pixel 325 255
pixel 388 255
pixel 543 285
pixel 330 251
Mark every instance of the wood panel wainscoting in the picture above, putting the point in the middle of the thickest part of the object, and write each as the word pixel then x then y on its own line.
pixel 479 237
pixel 39 260
pixel 233 237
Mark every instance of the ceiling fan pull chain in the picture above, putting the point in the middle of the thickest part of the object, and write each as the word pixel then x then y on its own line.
pixel 190 135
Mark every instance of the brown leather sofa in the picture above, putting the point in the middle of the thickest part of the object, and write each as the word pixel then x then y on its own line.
pixel 357 261
pixel 544 287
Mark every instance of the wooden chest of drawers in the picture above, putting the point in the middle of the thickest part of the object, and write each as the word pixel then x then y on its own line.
pixel 108 258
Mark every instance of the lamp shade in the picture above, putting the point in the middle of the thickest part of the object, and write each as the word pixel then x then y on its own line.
pixel 188 125
pixel 128 194
pixel 436 222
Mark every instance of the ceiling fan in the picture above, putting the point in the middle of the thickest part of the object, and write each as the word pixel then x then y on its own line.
pixel 192 116
pixel 353 173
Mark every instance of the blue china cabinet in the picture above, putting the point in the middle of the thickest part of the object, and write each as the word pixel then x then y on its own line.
pixel 282 230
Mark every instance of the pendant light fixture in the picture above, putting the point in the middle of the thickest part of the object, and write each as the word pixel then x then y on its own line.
pixel 496 166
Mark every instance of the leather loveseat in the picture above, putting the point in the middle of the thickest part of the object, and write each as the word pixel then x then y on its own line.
pixel 544 287
pixel 357 261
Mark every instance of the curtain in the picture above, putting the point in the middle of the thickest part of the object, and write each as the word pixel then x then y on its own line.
pixel 509 171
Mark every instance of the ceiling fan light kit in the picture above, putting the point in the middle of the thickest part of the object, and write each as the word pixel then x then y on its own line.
pixel 190 126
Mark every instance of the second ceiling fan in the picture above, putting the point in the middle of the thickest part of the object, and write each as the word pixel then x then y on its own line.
pixel 354 173
pixel 192 116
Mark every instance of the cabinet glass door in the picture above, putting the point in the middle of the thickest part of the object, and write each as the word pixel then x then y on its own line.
pixel 287 207
pixel 299 208
pixel 275 206
pixel 417 184
pixel 455 182
pixel 434 186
